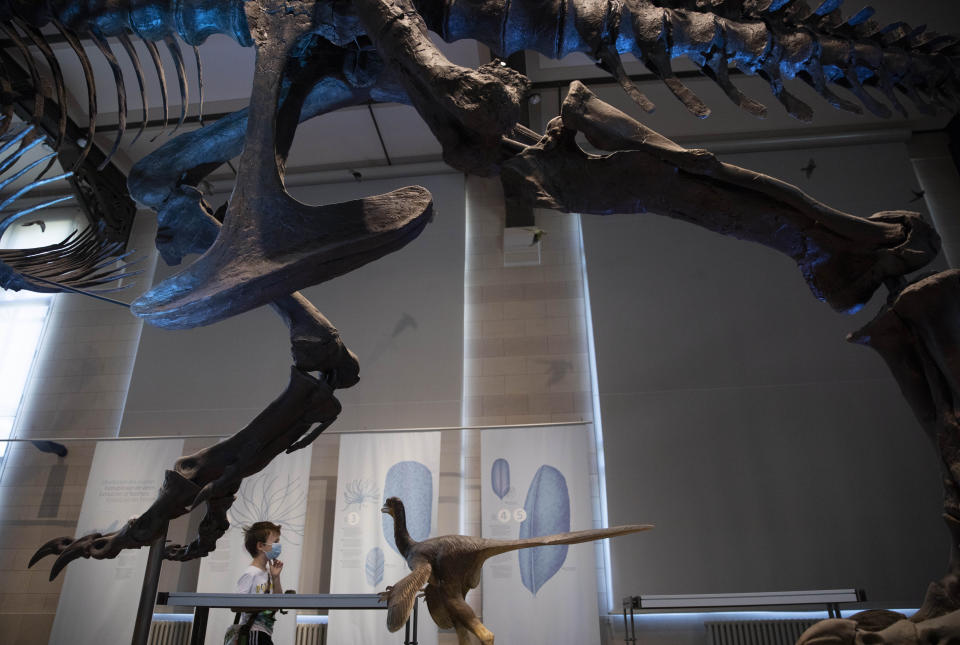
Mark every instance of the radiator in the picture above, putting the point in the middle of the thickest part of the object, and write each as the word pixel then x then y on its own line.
pixel 169 632
pixel 311 634
pixel 756 632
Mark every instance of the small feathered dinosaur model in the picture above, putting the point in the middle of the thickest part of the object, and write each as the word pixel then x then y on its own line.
pixel 450 566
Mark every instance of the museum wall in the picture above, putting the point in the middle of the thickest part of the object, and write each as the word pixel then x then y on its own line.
pixel 770 453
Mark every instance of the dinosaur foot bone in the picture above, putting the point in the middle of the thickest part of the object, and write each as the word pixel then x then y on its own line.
pixel 843 258
pixel 212 476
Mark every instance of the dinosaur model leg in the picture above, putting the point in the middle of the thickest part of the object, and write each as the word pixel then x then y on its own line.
pixel 271 244
pixel 466 622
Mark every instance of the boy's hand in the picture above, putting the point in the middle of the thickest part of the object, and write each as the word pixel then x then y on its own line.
pixel 274 567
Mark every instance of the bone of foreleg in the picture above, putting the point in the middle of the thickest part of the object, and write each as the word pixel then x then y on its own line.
pixel 315 342
pixel 843 258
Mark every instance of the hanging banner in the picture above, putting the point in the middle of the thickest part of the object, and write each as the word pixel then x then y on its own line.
pixel 373 467
pixel 277 494
pixel 101 596
pixel 537 482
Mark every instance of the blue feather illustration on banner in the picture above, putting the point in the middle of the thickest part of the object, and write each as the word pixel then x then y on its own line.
pixel 412 482
pixel 500 477
pixel 374 566
pixel 548 511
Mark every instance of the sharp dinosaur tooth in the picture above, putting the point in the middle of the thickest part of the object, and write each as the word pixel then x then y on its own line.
pixel 138 70
pixel 162 77
pixel 174 47
pixel 77 48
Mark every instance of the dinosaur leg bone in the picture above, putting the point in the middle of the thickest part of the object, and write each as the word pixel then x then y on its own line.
pixel 466 622
pixel 271 244
pixel 467 110
pixel 843 258
pixel 917 336
pixel 212 475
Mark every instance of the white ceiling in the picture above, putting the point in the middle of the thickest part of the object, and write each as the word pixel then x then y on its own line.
pixel 348 139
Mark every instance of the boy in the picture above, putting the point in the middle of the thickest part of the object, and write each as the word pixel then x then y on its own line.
pixel 262 541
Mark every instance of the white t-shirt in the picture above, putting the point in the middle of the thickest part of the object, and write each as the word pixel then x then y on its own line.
pixel 255 580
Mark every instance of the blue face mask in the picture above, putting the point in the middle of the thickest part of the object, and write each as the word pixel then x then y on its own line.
pixel 274 551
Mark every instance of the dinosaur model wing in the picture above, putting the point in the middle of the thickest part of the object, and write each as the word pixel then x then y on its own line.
pixel 401 596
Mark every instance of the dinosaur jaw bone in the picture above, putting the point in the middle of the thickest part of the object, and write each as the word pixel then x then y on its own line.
pixel 271 244
pixel 843 258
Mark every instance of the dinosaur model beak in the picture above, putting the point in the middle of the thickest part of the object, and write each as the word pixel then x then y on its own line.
pixel 386 509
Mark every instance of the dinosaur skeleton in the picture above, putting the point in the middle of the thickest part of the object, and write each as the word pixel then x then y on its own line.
pixel 316 56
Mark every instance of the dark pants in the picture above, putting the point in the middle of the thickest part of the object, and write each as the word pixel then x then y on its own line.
pixel 260 638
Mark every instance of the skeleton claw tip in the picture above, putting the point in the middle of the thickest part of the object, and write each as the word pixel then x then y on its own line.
pixel 56 545
pixel 66 558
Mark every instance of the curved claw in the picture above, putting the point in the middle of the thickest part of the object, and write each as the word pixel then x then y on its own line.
pixel 54 546
pixel 79 548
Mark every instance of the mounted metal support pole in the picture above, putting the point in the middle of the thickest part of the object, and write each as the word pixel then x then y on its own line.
pixel 148 593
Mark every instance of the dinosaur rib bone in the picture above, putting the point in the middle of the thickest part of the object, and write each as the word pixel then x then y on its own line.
pixel 843 258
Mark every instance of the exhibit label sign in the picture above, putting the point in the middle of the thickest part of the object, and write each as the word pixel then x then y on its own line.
pixel 98 602
pixel 536 481
pixel 373 467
